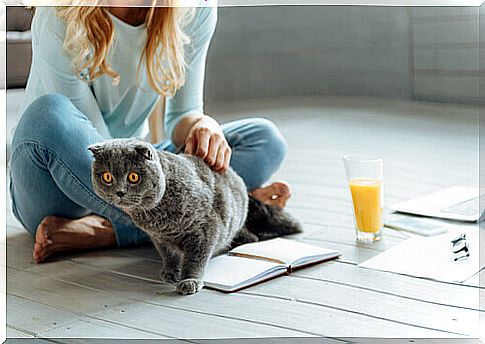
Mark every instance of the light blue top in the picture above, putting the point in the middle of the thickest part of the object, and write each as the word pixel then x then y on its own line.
pixel 121 110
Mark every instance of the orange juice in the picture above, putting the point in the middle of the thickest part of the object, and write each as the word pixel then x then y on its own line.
pixel 366 196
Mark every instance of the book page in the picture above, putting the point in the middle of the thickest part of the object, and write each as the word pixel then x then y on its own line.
pixel 230 272
pixel 286 251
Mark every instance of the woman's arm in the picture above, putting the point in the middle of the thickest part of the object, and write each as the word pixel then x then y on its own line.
pixel 185 122
pixel 52 68
pixel 204 138
pixel 181 131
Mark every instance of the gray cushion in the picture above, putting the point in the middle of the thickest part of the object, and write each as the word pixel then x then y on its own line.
pixel 19 50
pixel 18 18
pixel 19 57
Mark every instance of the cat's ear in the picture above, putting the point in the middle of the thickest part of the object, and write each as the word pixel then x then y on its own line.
pixel 144 151
pixel 96 149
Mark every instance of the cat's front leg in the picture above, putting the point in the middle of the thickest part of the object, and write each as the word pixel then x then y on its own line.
pixel 196 257
pixel 171 261
pixel 171 271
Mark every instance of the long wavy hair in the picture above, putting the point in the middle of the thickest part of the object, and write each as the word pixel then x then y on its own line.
pixel 90 33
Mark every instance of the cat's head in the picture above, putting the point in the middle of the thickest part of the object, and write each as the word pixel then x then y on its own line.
pixel 127 173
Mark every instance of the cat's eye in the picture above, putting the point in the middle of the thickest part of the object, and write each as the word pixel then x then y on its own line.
pixel 107 177
pixel 133 177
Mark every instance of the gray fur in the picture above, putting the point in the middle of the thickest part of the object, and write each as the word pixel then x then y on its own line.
pixel 190 212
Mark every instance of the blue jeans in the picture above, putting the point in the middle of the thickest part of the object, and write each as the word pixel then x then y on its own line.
pixel 50 168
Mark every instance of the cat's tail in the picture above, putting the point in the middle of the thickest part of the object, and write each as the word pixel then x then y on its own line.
pixel 267 222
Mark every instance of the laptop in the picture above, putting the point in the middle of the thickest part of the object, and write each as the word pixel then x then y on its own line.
pixel 459 203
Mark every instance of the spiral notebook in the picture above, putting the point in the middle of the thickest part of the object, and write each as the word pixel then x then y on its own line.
pixel 250 264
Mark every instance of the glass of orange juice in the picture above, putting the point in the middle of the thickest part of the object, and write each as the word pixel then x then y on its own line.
pixel 365 179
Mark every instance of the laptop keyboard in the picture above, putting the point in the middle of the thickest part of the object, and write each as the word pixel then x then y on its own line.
pixel 468 208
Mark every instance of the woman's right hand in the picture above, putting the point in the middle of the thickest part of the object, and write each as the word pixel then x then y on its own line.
pixel 206 140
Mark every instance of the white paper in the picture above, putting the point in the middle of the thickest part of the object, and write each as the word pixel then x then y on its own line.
pixel 430 257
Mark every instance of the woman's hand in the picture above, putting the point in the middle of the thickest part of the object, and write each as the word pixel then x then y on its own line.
pixel 206 140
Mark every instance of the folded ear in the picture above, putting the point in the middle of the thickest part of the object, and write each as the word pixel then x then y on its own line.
pixel 144 150
pixel 96 149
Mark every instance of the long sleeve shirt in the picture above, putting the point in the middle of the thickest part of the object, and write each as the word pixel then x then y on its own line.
pixel 118 110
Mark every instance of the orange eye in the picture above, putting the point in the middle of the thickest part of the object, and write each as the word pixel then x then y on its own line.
pixel 133 177
pixel 107 177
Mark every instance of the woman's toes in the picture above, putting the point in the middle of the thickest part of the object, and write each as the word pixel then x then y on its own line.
pixel 41 235
pixel 281 189
pixel 38 253
pixel 282 193
pixel 57 234
pixel 276 194
pixel 46 228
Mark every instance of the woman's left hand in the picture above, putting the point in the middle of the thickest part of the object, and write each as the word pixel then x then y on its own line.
pixel 206 140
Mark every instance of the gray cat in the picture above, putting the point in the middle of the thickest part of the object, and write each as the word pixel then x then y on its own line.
pixel 189 211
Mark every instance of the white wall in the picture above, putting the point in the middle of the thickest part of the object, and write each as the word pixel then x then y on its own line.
pixel 293 50
pixel 446 54
pixel 428 53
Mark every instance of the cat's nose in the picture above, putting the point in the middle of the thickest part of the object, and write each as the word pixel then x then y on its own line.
pixel 120 193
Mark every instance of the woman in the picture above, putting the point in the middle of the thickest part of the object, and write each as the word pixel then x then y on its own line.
pixel 97 73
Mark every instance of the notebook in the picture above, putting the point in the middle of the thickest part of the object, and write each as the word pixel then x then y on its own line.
pixel 249 264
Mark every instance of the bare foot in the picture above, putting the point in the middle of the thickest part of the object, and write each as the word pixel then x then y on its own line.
pixel 276 194
pixel 57 234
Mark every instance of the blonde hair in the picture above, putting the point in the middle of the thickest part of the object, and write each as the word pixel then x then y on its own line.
pixel 90 33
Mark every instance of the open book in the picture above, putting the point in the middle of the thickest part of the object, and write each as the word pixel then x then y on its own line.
pixel 253 263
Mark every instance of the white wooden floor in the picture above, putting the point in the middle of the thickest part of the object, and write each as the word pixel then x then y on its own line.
pixel 115 293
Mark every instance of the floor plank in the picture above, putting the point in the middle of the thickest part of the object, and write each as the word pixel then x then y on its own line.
pixel 400 285
pixel 277 283
pixel 13 333
pixel 346 236
pixel 274 341
pixel 88 327
pixel 325 321
pixel 414 341
pixel 128 288
pixel 129 265
pixel 19 257
pixel 477 280
pixel 263 310
pixel 185 324
pixel 372 303
pixel 32 318
pixel 45 290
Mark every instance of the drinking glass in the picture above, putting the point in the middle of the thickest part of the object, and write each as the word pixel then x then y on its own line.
pixel 365 180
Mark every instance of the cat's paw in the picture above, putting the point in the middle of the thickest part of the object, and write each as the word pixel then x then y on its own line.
pixel 169 276
pixel 189 286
